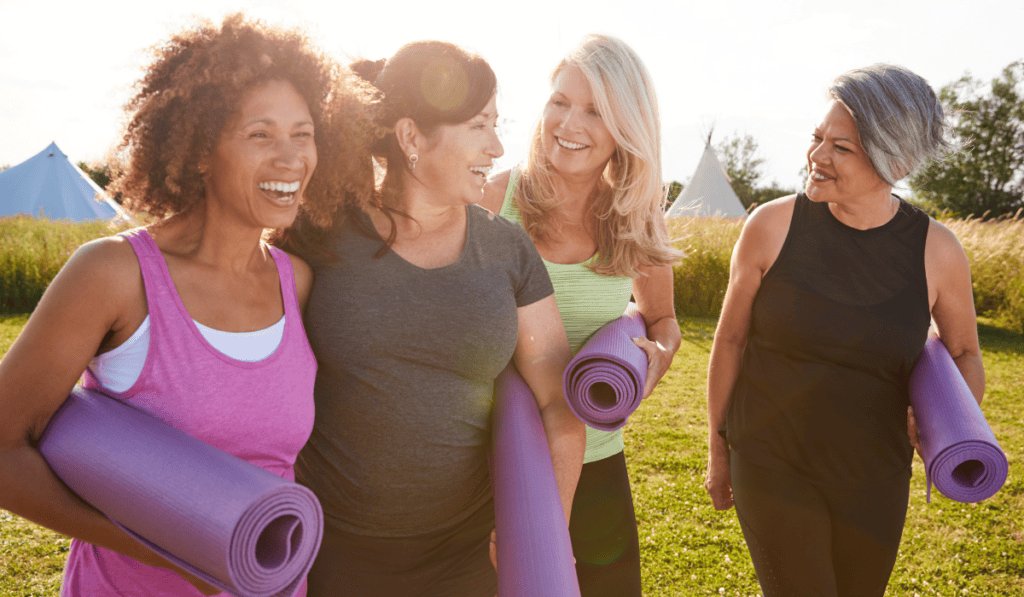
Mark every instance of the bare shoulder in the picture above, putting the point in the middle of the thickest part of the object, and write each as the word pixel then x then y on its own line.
pixel 764 232
pixel 303 278
pixel 494 191
pixel 773 214
pixel 942 245
pixel 109 264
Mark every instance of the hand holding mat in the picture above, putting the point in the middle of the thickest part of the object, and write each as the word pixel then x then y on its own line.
pixel 534 550
pixel 604 382
pixel 231 523
pixel 961 455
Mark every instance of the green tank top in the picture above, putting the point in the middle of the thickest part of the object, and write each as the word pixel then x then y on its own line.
pixel 586 302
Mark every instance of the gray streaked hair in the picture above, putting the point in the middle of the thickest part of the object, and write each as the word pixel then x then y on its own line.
pixel 898 116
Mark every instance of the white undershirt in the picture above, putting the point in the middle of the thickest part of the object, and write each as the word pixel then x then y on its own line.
pixel 119 369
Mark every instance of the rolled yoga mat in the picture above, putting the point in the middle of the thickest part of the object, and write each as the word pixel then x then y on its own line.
pixel 604 382
pixel 534 550
pixel 961 455
pixel 240 528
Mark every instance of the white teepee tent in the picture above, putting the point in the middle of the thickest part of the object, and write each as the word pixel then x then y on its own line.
pixel 49 185
pixel 709 192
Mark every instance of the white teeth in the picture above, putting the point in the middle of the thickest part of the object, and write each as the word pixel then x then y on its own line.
pixel 481 170
pixel 569 144
pixel 280 187
pixel 817 176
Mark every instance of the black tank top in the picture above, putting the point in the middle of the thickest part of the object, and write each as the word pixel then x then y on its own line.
pixel 836 327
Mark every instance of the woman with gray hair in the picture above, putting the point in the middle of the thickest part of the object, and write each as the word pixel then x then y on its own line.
pixel 831 293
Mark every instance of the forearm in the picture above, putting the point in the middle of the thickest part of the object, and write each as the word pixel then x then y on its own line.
pixel 665 333
pixel 973 370
pixel 723 370
pixel 29 489
pixel 567 441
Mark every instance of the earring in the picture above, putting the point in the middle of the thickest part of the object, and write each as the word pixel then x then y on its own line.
pixel 413 158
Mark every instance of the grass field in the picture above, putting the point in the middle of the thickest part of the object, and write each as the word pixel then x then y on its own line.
pixel 687 547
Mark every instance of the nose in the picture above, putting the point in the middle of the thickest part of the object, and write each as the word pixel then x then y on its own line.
pixel 816 153
pixel 571 120
pixel 494 148
pixel 286 155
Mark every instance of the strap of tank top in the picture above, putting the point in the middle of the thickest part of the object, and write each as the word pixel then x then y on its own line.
pixel 154 271
pixel 508 210
pixel 289 293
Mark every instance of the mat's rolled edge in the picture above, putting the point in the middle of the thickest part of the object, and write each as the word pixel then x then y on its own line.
pixel 936 377
pixel 534 549
pixel 629 325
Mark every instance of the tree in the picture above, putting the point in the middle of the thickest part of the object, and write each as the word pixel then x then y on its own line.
pixel 100 174
pixel 674 188
pixel 739 156
pixel 986 175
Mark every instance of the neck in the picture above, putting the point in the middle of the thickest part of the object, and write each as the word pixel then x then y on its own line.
pixel 575 196
pixel 213 239
pixel 867 211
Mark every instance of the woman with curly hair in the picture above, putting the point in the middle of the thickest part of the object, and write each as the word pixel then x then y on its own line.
pixel 590 196
pixel 193 318
pixel 426 301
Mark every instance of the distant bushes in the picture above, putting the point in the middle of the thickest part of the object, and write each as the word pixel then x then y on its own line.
pixel 32 251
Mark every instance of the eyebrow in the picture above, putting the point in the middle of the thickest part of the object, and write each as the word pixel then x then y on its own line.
pixel 272 122
pixel 487 115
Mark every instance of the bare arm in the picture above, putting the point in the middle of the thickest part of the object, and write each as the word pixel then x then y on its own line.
pixel 85 304
pixel 952 304
pixel 542 354
pixel 653 292
pixel 755 252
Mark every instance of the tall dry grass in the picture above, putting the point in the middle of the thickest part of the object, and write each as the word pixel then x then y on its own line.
pixel 995 250
pixel 32 251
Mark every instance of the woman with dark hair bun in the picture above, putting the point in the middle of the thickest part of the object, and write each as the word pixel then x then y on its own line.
pixel 424 299
pixel 192 318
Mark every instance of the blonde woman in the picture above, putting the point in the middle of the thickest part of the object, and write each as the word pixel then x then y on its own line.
pixel 590 196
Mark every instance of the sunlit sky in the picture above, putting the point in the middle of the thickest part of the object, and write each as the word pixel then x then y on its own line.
pixel 757 68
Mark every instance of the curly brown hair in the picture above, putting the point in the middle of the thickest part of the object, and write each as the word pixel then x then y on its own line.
pixel 196 84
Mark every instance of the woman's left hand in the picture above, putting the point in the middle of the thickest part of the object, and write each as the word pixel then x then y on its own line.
pixel 659 358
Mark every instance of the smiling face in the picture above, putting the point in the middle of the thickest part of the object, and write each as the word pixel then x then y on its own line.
pixel 460 156
pixel 575 138
pixel 839 168
pixel 263 160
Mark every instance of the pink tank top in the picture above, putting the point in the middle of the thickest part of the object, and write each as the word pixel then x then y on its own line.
pixel 259 411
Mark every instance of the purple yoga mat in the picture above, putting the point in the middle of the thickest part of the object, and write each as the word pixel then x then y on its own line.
pixel 238 527
pixel 961 455
pixel 604 382
pixel 534 550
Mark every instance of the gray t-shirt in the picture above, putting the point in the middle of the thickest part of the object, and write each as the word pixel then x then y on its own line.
pixel 407 360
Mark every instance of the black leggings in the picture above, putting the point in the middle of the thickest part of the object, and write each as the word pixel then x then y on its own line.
pixel 603 531
pixel 807 539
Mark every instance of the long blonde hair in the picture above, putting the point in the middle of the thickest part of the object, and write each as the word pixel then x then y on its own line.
pixel 630 205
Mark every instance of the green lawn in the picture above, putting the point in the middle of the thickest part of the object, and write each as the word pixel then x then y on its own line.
pixel 688 548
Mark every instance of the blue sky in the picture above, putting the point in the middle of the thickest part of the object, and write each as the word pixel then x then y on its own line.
pixel 742 67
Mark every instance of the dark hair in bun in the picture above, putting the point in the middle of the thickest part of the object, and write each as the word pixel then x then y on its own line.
pixel 432 82
pixel 368 70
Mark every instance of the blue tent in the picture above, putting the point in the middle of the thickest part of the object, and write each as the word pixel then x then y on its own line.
pixel 49 185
